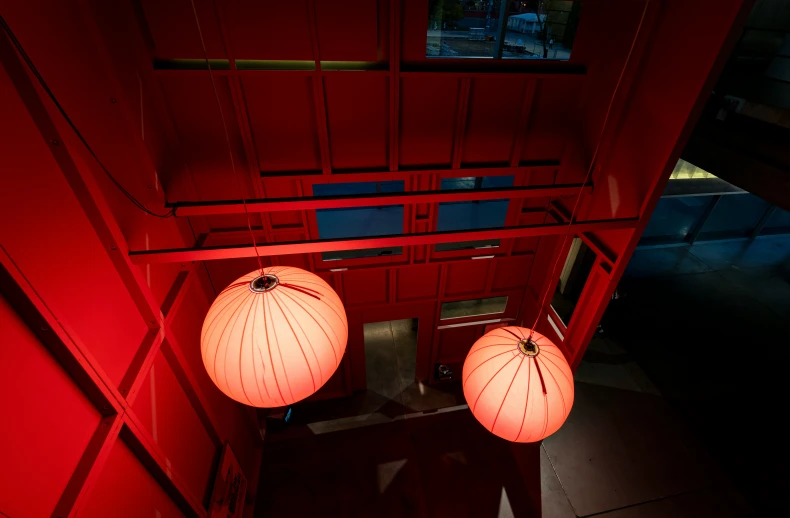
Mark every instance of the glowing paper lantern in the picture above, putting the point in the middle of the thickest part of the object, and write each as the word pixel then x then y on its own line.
pixel 274 339
pixel 518 389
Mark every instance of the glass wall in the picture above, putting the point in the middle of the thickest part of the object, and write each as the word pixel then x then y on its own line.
pixel 735 215
pixel 674 219
pixel 692 219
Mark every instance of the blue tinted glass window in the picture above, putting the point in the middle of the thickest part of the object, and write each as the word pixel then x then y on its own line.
pixel 359 221
pixel 337 189
pixel 470 215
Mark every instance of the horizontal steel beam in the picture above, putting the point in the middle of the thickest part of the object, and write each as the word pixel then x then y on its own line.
pixel 379 175
pixel 435 68
pixel 210 253
pixel 373 200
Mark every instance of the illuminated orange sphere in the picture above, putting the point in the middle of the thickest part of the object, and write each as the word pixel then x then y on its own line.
pixel 275 338
pixel 519 389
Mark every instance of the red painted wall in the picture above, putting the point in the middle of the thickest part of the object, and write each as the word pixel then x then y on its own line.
pixel 51 235
pixel 47 421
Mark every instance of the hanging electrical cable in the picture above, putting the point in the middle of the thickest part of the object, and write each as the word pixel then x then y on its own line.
pixel 18 46
pixel 590 169
pixel 276 335
pixel 227 137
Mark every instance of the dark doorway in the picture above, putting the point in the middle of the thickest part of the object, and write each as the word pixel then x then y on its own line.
pixel 391 356
pixel 573 277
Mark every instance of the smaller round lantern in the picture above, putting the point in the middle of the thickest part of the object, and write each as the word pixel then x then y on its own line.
pixel 519 388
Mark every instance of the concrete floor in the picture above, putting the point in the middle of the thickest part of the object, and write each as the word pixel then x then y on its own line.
pixel 709 327
pixel 675 415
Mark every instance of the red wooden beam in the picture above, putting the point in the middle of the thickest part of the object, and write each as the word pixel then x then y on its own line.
pixel 331 245
pixel 319 99
pixel 374 200
pixel 150 454
pixel 58 338
pixel 89 467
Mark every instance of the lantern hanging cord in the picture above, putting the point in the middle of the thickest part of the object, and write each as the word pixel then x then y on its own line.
pixel 18 46
pixel 227 137
pixel 590 169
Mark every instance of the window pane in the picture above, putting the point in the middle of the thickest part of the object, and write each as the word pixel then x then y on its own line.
pixel 367 252
pixel 470 215
pixel 462 28
pixel 542 29
pixel 359 221
pixel 468 245
pixel 688 171
pixel 735 215
pixel 674 218
pixel 535 29
pixel 470 308
pixel 338 189
pixel 578 265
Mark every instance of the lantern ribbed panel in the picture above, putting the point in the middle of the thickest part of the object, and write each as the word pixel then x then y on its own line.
pixel 503 387
pixel 277 347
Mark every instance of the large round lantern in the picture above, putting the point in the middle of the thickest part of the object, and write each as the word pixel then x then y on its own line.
pixel 520 389
pixel 274 337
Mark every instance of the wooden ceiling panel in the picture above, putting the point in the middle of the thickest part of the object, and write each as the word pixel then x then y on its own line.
pixel 357 105
pixel 492 117
pixel 269 29
pixel 282 119
pixel 511 272
pixel 338 21
pixel 427 120
pixel 552 116
pixel 193 106
pixel 174 30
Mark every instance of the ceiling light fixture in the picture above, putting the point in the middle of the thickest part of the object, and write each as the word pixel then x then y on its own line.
pixel 275 337
pixel 519 388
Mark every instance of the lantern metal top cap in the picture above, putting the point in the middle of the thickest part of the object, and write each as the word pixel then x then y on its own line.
pixel 264 283
pixel 529 347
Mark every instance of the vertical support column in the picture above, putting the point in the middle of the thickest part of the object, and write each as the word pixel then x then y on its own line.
pixel 692 236
pixel 504 12
pixel 763 221
pixel 460 121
